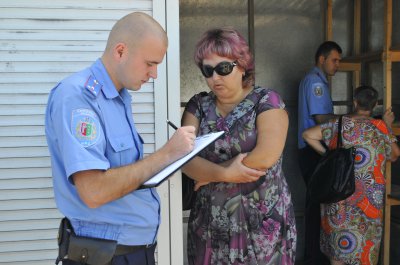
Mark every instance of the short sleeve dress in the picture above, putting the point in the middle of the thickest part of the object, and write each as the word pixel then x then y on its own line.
pixel 351 230
pixel 246 223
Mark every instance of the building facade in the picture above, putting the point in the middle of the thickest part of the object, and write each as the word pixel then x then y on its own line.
pixel 41 42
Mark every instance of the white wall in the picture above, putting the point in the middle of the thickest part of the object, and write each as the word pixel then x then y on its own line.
pixel 41 42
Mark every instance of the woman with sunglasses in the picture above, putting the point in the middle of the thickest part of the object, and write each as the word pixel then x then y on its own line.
pixel 243 212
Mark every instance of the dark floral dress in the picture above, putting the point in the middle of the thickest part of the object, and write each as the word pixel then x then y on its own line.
pixel 351 230
pixel 246 223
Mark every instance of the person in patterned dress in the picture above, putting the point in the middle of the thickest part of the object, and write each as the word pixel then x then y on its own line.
pixel 243 213
pixel 351 230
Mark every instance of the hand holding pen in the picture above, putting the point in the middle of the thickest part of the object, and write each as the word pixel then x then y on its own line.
pixel 172 125
pixel 182 141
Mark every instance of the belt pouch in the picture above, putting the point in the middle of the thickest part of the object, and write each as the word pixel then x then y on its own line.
pixel 93 251
pixel 86 250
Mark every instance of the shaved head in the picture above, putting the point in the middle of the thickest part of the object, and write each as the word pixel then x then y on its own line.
pixel 133 28
pixel 136 45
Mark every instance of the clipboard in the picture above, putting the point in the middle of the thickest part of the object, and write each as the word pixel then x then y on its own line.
pixel 201 142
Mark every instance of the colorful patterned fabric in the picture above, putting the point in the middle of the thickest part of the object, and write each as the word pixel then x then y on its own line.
pixel 352 229
pixel 247 223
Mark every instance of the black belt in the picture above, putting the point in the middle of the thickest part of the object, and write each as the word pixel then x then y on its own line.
pixel 124 249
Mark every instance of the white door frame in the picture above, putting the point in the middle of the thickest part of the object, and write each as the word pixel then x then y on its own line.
pixel 167 106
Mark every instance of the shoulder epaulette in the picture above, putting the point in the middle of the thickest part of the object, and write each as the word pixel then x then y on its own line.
pixel 93 85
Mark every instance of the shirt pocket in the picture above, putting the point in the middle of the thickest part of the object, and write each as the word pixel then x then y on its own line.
pixel 123 150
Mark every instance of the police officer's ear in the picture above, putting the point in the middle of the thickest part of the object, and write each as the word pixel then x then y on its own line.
pixel 321 60
pixel 119 50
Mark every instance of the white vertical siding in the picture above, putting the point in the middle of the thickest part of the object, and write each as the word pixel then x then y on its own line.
pixel 41 42
pixel 174 114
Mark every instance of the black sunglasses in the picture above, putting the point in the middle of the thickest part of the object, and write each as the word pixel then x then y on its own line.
pixel 223 68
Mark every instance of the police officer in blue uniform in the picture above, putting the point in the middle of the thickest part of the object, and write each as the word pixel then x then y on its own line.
pixel 97 153
pixel 315 107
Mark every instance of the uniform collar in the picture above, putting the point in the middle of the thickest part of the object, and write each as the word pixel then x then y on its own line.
pixel 320 73
pixel 100 73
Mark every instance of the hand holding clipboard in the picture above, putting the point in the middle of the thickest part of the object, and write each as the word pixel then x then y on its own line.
pixel 201 142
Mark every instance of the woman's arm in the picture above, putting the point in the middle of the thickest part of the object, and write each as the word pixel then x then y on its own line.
pixel 272 126
pixel 395 152
pixel 205 171
pixel 313 137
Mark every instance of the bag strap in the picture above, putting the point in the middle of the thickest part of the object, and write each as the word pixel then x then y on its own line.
pixel 339 140
pixel 200 106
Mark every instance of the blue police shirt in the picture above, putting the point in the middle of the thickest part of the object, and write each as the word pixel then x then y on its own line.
pixel 314 98
pixel 89 125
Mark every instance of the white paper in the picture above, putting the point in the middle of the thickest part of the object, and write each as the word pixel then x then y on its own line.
pixel 200 143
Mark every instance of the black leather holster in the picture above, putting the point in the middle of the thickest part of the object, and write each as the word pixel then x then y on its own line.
pixel 85 250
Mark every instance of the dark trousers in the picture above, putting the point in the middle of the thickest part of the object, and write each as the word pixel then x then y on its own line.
pixel 143 256
pixel 308 160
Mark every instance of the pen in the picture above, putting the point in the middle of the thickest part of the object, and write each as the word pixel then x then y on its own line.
pixel 171 124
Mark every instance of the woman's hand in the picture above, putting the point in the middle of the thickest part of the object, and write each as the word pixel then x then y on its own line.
pixel 237 172
pixel 199 184
pixel 388 117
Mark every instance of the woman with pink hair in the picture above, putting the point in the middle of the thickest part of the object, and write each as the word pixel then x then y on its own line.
pixel 243 212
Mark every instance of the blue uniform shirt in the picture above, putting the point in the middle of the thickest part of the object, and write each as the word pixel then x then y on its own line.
pixel 314 98
pixel 89 125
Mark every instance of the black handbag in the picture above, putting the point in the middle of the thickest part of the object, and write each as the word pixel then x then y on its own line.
pixel 333 178
pixel 188 192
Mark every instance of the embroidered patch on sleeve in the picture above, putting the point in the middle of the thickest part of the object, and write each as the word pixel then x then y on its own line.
pixel 85 126
pixel 318 91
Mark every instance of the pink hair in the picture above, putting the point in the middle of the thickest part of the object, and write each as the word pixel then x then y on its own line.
pixel 226 42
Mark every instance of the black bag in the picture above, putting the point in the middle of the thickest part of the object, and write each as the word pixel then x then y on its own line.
pixel 333 178
pixel 86 250
pixel 188 193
